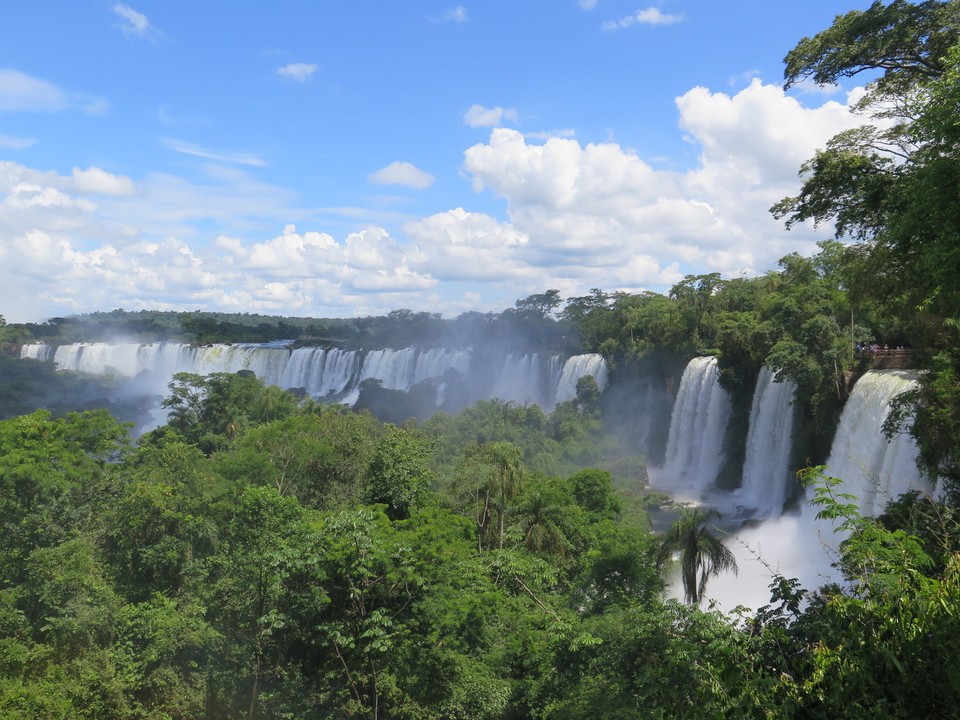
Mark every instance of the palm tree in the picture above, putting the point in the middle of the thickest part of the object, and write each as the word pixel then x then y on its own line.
pixel 702 555
pixel 543 522
pixel 503 483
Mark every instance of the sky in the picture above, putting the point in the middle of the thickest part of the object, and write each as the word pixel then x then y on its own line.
pixel 340 159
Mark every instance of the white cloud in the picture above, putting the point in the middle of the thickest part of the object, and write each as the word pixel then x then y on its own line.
pixel 597 213
pixel 547 134
pixel 233 158
pixel 402 173
pixel 456 14
pixel 480 116
pixel 649 16
pixel 15 143
pixel 578 215
pixel 135 23
pixel 144 250
pixel 301 72
pixel 459 245
pixel 95 181
pixel 20 92
pixel 588 4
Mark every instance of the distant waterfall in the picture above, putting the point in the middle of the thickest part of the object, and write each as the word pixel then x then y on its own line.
pixel 697 426
pixel 331 372
pixel 766 473
pixel 36 352
pixel 321 372
pixel 577 367
pixel 527 379
pixel 872 468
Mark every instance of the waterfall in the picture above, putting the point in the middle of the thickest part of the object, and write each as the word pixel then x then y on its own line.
pixel 697 426
pixel 333 373
pixel 527 379
pixel 36 351
pixel 577 367
pixel 873 469
pixel 321 372
pixel 766 474
pixel 402 369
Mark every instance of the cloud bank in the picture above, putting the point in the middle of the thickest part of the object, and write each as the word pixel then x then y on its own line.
pixel 576 215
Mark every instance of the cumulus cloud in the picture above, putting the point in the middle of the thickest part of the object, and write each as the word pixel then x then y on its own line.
pixel 143 250
pixel 96 181
pixel 233 158
pixel 404 174
pixel 480 116
pixel 459 245
pixel 578 215
pixel 300 72
pixel 601 213
pixel 649 16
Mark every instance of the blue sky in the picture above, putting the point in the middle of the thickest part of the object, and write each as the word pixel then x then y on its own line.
pixel 340 159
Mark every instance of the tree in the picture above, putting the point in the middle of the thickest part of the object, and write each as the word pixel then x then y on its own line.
pixel 892 184
pixel 702 554
pixel 507 459
pixel 399 475
pixel 906 41
pixel 541 305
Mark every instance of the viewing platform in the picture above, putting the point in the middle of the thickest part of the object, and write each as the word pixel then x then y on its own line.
pixel 887 358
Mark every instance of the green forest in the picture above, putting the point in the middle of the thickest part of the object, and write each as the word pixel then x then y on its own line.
pixel 264 555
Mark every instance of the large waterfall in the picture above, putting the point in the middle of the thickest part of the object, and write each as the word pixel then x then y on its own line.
pixel 873 468
pixel 577 367
pixel 336 373
pixel 767 477
pixel 697 426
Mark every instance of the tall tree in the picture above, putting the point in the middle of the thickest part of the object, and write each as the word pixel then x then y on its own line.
pixel 891 183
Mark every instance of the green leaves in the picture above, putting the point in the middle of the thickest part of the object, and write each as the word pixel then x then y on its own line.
pixel 702 555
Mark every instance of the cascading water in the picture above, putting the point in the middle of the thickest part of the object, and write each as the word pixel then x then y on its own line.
pixel 36 351
pixel 871 468
pixel 330 372
pixel 697 426
pixel 577 367
pixel 766 474
pixel 527 379
pixel 321 371
pixel 874 469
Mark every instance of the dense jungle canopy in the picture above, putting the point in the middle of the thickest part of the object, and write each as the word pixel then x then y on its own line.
pixel 262 555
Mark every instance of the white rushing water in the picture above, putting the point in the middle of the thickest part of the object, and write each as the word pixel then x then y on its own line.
pixel 872 468
pixel 767 477
pixel 332 372
pixel 698 423
pixel 577 367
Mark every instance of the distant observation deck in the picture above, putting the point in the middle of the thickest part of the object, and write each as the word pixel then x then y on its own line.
pixel 887 358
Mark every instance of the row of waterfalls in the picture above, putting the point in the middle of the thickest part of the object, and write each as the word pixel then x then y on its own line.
pixel 781 532
pixel 336 374
pixel 873 468
pixel 784 537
